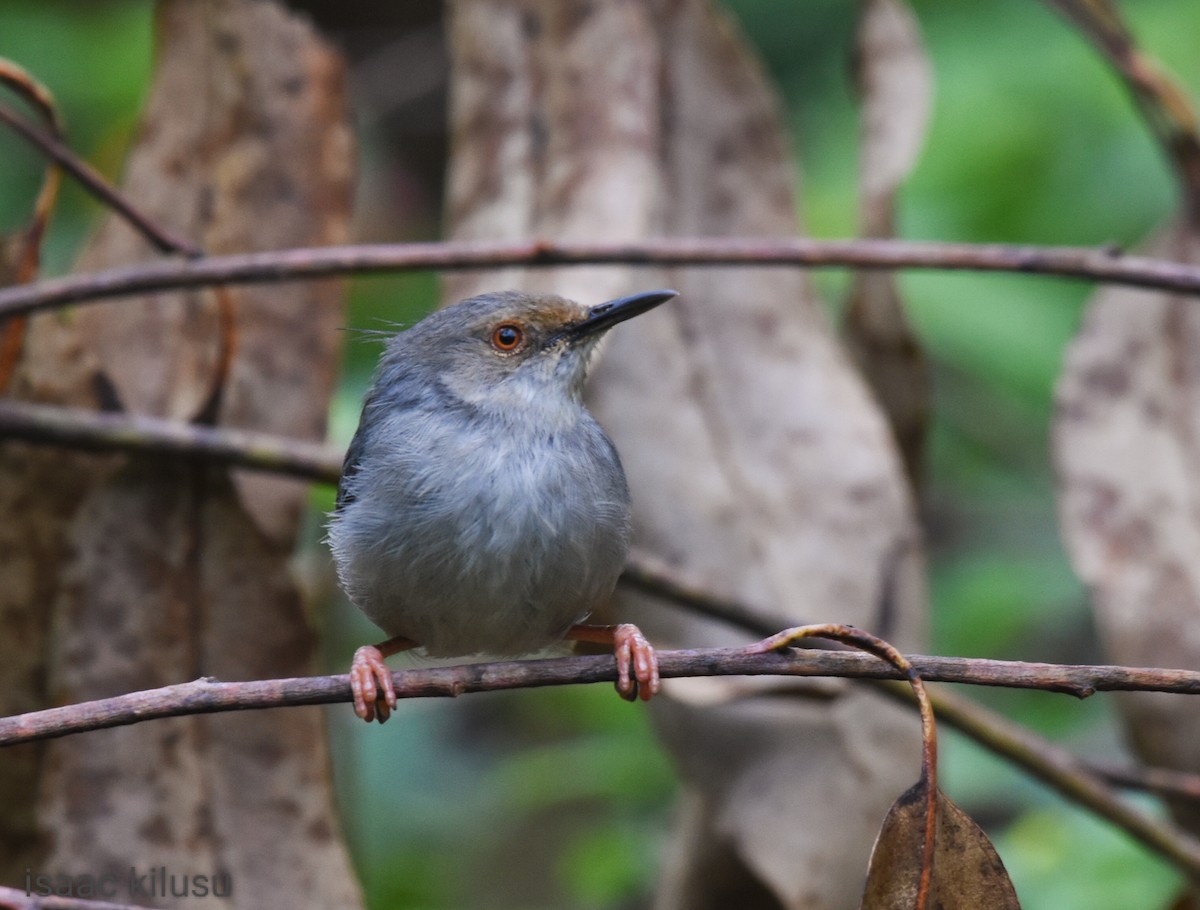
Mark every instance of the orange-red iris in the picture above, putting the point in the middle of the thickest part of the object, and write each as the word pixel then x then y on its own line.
pixel 507 337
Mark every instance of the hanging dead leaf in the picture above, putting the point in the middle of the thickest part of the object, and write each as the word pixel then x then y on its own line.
pixel 1127 434
pixel 1126 444
pixel 758 463
pixel 891 359
pixel 929 854
pixel 895 82
pixel 147 572
pixel 271 182
pixel 966 873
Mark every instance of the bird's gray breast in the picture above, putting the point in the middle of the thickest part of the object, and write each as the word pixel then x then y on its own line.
pixel 473 537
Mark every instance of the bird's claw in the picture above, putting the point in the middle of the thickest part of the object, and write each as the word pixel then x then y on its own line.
pixel 634 652
pixel 371 683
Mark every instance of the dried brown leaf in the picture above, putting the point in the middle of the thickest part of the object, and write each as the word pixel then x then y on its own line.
pixel 967 872
pixel 1127 445
pixel 171 580
pixel 759 465
pixel 895 82
pixel 892 361
pixel 147 572
pixel 260 357
pixel 896 85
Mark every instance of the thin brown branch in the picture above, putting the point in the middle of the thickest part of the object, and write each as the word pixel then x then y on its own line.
pixel 1099 264
pixel 207 696
pixel 93 181
pixel 78 428
pixel 124 432
pixel 1045 760
pixel 1161 781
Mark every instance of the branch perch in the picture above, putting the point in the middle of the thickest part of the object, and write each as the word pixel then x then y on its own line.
pixel 204 696
pixel 1098 264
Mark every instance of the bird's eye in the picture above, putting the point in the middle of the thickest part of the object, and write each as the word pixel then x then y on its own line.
pixel 507 337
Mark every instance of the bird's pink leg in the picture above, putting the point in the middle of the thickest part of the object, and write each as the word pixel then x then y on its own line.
pixel 632 651
pixel 371 680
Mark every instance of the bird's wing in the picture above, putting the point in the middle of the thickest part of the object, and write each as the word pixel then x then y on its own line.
pixel 350 466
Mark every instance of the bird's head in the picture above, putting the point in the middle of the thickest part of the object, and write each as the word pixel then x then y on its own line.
pixel 511 345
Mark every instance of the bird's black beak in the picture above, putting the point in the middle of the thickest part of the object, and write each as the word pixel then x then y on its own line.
pixel 604 316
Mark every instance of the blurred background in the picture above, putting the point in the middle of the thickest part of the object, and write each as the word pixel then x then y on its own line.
pixel 561 797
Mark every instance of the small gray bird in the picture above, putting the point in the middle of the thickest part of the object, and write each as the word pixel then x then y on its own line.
pixel 482 510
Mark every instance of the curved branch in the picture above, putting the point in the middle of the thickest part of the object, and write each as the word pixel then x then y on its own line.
pixel 204 696
pixel 51 146
pixel 1101 264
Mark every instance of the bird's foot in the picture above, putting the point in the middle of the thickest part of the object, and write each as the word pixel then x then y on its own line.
pixel 371 680
pixel 633 653
pixel 371 683
pixel 632 650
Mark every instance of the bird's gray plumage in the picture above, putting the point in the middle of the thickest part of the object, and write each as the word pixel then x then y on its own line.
pixel 482 509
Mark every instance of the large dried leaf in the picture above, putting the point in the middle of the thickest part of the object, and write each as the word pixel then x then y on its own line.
pixel 172 580
pixel 241 169
pixel 967 873
pixel 1127 446
pixel 896 84
pixel 892 361
pixel 152 572
pixel 759 465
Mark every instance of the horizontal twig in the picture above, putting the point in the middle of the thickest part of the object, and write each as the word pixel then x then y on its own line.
pixel 1096 264
pixel 1161 781
pixel 207 696
pixel 78 428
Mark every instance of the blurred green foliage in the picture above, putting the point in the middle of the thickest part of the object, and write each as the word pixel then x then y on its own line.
pixel 1032 140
